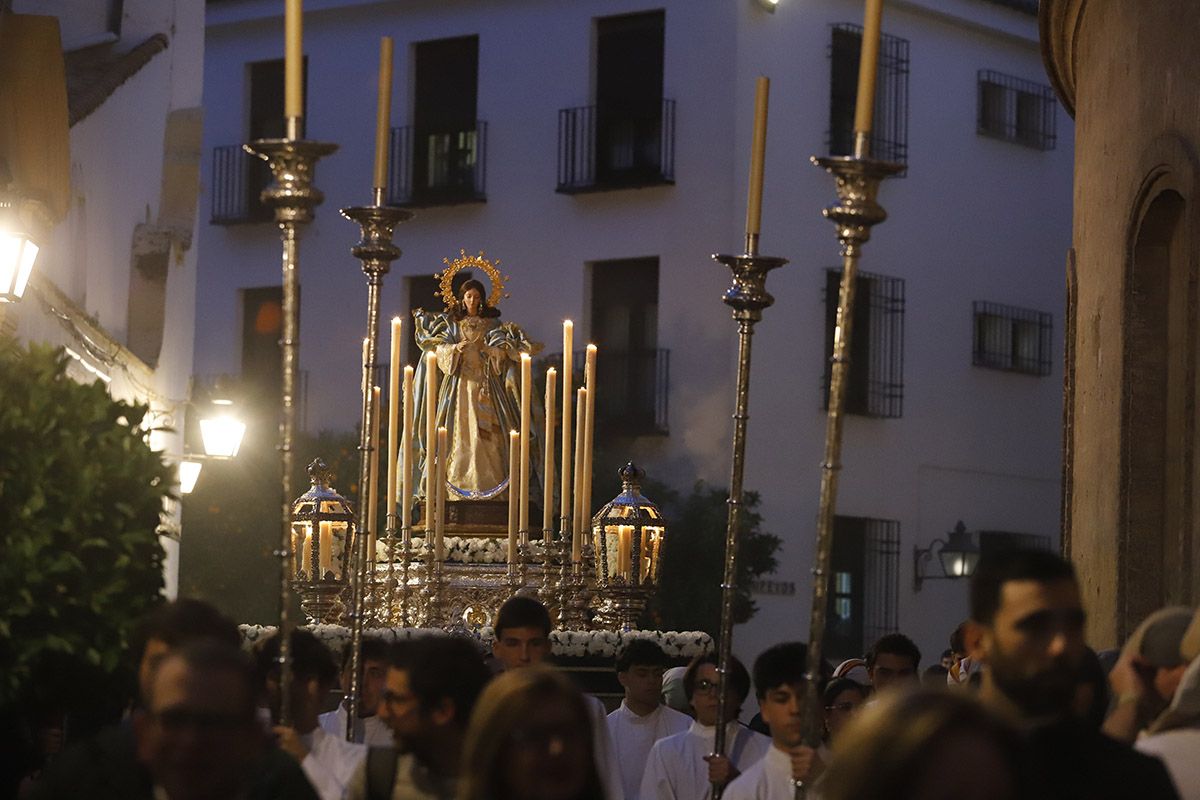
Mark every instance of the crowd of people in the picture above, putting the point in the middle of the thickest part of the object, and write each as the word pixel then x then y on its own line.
pixel 1019 707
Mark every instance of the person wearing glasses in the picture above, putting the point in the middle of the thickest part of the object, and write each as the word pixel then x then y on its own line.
pixel 683 767
pixel 843 698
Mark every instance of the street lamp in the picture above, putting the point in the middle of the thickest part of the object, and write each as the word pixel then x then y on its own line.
pixel 189 473
pixel 958 555
pixel 627 535
pixel 220 431
pixel 18 251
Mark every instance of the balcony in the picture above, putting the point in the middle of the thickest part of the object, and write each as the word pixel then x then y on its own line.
pixel 602 149
pixel 438 168
pixel 238 179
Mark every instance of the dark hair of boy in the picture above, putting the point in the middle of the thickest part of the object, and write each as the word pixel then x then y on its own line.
pixel 739 678
pixel 522 612
pixel 896 644
pixel 783 664
pixel 641 653
pixel 310 658
pixel 182 621
pixel 997 569
pixel 445 668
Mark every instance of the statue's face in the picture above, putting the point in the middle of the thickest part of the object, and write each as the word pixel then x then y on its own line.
pixel 472 301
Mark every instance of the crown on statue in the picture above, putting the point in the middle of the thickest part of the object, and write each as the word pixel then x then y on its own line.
pixel 464 261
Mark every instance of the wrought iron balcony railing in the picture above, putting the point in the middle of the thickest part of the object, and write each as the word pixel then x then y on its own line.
pixel 237 180
pixel 438 168
pixel 607 147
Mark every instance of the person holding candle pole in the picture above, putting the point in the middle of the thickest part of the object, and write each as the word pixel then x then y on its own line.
pixel 478 364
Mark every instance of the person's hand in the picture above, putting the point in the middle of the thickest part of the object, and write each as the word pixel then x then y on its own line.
pixel 806 764
pixel 720 770
pixel 1127 679
pixel 289 742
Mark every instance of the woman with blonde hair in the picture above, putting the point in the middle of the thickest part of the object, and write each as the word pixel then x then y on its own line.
pixel 530 738
pixel 924 745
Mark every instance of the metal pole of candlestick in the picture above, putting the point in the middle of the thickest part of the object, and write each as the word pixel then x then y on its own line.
pixel 747 296
pixel 376 252
pixel 292 196
pixel 857 179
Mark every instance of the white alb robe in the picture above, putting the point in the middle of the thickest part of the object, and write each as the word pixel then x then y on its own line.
pixel 633 736
pixel 331 762
pixel 769 779
pixel 370 731
pixel 676 769
pixel 603 750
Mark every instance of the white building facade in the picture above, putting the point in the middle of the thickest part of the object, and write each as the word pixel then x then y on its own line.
pixel 115 278
pixel 600 151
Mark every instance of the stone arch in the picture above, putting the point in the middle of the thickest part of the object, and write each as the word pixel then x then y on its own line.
pixel 1158 404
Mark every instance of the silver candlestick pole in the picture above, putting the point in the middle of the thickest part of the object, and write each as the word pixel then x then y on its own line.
pixel 857 180
pixel 747 296
pixel 292 196
pixel 376 252
pixel 563 582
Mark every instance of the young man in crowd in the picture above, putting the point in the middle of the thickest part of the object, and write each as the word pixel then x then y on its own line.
pixel 782 690
pixel 893 663
pixel 430 688
pixel 683 767
pixel 328 760
pixel 522 639
pixel 372 667
pixel 1026 630
pixel 642 719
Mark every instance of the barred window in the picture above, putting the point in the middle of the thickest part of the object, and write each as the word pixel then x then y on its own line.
pixel 889 134
pixel 876 378
pixel 863 591
pixel 1016 110
pixel 1011 338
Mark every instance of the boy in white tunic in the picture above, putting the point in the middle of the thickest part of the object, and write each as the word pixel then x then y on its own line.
pixel 683 767
pixel 780 686
pixel 642 719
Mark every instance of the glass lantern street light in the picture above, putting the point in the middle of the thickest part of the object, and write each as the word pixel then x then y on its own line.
pixel 18 252
pixel 220 431
pixel 627 538
pixel 322 529
pixel 189 473
pixel 958 555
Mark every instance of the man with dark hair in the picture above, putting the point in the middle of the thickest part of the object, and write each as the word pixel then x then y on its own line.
pixel 173 625
pixel 372 668
pixel 429 691
pixel 781 686
pixel 1026 630
pixel 893 662
pixel 683 767
pixel 642 719
pixel 328 760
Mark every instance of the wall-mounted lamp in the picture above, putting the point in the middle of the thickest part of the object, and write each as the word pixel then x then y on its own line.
pixel 769 5
pixel 18 251
pixel 220 431
pixel 957 556
pixel 189 473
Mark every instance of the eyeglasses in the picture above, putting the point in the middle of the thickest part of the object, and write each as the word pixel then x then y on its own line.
pixel 704 686
pixel 845 708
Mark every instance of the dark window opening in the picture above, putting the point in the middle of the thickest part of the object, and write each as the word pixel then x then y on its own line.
pixel 1012 339
pixel 1016 110
pixel 863 593
pixel 889 134
pixel 875 386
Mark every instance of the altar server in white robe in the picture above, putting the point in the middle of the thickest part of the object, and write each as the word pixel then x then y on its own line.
pixel 522 639
pixel 780 686
pixel 369 729
pixel 682 767
pixel 641 719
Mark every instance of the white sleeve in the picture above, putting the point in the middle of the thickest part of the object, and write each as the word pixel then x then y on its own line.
pixel 656 785
pixel 326 784
pixel 603 748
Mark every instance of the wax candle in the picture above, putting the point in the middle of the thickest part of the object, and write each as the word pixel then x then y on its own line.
pixel 443 458
pixel 588 433
pixel 431 380
pixel 372 493
pixel 526 430
pixel 548 457
pixel 868 63
pixel 366 367
pixel 624 551
pixel 293 59
pixel 383 113
pixel 577 514
pixel 306 556
pixel 406 448
pixel 394 432
pixel 514 480
pixel 758 150
pixel 568 395
pixel 325 559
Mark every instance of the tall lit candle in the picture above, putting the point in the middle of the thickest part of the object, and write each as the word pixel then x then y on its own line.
pixel 589 428
pixel 431 382
pixel 366 367
pixel 577 514
pixel 548 457
pixel 568 392
pixel 758 150
pixel 383 113
pixel 372 493
pixel 325 540
pixel 306 556
pixel 443 460
pixel 394 432
pixel 293 59
pixel 514 488
pixel 868 63
pixel 406 447
pixel 526 431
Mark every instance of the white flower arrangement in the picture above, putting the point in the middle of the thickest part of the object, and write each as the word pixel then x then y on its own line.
pixel 563 644
pixel 470 549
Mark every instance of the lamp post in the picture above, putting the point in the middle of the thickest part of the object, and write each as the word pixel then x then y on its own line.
pixel 322 529
pixel 957 553
pixel 628 535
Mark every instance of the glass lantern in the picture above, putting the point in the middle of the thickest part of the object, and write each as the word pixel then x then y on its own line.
pixel 627 538
pixel 322 529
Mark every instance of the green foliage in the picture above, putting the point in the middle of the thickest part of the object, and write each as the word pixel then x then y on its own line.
pixel 693 565
pixel 81 495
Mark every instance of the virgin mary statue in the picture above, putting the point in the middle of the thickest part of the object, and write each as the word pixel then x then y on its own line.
pixel 479 385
